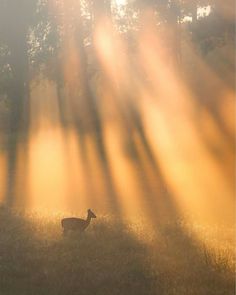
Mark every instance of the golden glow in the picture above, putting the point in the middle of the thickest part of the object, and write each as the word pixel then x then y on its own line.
pixel 153 149
pixel 47 170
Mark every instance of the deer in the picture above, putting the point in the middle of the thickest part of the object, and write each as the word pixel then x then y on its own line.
pixel 76 224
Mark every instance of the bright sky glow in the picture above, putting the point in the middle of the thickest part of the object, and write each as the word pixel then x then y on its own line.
pixel 203 11
pixel 120 2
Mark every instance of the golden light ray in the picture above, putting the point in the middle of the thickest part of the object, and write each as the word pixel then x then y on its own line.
pixel 126 186
pixel 78 197
pixel 107 45
pixel 3 175
pixel 191 171
pixel 47 171
pixel 150 132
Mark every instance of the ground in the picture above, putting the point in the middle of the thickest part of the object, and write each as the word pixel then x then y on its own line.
pixel 109 258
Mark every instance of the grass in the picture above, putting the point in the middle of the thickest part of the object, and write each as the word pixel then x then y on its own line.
pixel 108 259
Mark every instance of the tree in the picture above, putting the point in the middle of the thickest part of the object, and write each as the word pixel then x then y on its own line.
pixel 15 20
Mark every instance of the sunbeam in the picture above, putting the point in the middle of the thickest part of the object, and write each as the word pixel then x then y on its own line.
pixel 125 108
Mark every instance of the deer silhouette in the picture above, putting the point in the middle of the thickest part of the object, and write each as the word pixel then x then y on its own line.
pixel 76 224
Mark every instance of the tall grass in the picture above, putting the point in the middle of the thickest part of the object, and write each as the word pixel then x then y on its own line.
pixel 108 259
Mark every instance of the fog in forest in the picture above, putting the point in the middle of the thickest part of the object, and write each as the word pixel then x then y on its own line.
pixel 125 107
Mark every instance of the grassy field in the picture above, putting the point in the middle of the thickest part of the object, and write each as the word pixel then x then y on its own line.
pixel 108 259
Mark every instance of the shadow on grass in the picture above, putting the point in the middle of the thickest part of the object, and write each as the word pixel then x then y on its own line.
pixel 36 259
pixel 107 259
pixel 186 266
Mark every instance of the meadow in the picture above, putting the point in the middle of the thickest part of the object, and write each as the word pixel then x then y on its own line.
pixel 111 258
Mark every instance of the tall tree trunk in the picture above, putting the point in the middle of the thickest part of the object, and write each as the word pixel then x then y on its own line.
pixel 18 97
